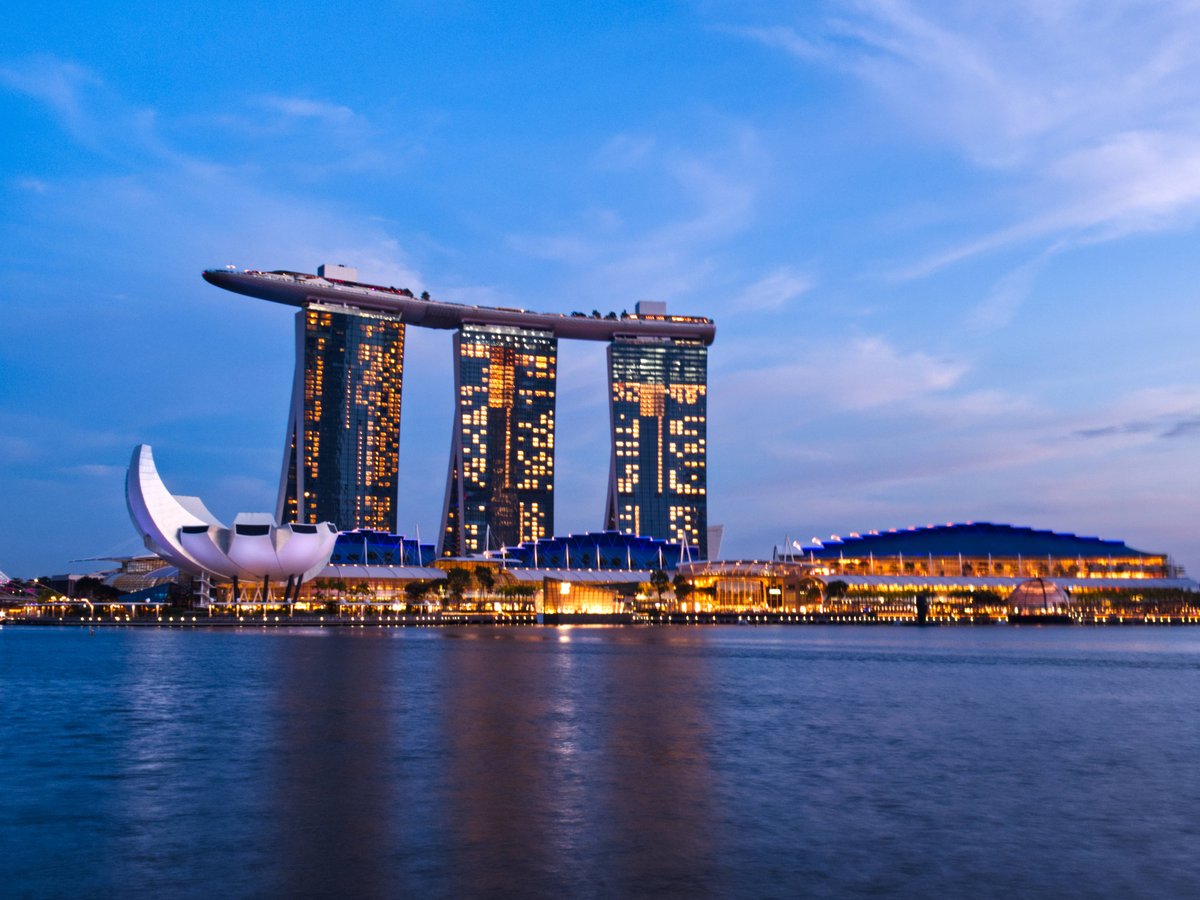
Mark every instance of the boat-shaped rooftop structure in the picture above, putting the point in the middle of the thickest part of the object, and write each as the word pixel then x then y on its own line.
pixel 299 289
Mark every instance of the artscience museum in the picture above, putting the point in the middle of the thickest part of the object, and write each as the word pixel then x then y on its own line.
pixel 256 549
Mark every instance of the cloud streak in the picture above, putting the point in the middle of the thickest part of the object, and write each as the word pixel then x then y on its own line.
pixel 709 198
pixel 1077 108
pixel 773 292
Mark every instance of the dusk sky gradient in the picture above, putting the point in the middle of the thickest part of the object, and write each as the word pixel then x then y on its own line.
pixel 951 248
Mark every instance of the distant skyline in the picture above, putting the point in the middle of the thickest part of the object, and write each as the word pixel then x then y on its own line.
pixel 950 248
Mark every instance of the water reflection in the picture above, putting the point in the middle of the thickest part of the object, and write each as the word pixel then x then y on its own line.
pixel 189 737
pixel 331 764
pixel 658 825
pixel 504 727
pixel 599 762
pixel 578 763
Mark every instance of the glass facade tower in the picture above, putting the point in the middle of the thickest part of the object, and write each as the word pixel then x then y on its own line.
pixel 501 481
pixel 658 408
pixel 343 450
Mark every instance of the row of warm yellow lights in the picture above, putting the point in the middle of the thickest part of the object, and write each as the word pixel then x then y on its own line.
pixel 1081 576
pixel 783 579
pixel 977 564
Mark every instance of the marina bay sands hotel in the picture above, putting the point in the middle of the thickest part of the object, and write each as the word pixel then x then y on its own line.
pixel 343 451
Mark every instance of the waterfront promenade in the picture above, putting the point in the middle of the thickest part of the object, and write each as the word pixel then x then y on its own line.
pixel 200 619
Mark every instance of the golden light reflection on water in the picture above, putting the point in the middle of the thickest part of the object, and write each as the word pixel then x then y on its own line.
pixel 331 764
pixel 577 759
pixel 657 774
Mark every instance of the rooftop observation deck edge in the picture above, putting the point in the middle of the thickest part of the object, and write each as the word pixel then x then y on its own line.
pixel 298 289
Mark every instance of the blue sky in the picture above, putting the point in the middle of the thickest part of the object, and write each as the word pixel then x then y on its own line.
pixel 950 247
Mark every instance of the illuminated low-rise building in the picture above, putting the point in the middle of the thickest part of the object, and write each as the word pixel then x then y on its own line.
pixel 723 586
pixel 974 570
pixel 982 550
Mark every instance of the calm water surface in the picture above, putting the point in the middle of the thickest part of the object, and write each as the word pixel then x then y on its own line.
pixel 755 762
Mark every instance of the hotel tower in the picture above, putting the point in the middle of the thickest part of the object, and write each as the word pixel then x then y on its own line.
pixel 343 445
pixel 658 470
pixel 501 482
pixel 342 455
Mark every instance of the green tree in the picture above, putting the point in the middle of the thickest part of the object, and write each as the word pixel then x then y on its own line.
pixel 517 590
pixel 458 580
pixel 95 589
pixel 683 588
pixel 836 590
pixel 486 579
pixel 415 590
pixel 658 583
pixel 526 594
pixel 810 590
pixel 86 586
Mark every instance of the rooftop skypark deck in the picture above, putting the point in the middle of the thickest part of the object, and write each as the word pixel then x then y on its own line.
pixel 298 289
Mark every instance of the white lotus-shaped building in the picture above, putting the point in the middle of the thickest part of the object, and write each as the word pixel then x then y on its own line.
pixel 183 531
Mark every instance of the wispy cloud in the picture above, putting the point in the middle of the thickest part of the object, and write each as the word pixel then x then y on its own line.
pixel 306 108
pixel 862 374
pixel 304 137
pixel 625 151
pixel 708 196
pixel 87 108
pixel 31 185
pixel 15 449
pixel 1145 416
pixel 773 292
pixel 1000 307
pixel 1082 111
pixel 183 196
pixel 937 446
pixel 62 86
pixel 812 48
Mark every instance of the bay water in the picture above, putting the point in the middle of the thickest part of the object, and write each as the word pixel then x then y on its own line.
pixel 600 762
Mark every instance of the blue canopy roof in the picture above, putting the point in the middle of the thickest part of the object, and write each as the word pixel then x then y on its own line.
pixel 974 539
pixel 364 547
pixel 598 550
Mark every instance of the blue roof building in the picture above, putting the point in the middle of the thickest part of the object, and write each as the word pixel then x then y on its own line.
pixel 380 548
pixel 602 550
pixel 984 549
pixel 972 539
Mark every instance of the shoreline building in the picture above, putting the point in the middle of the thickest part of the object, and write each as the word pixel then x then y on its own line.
pixel 255 550
pixel 658 410
pixel 968 551
pixel 983 570
pixel 972 572
pixel 500 488
pixel 342 454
